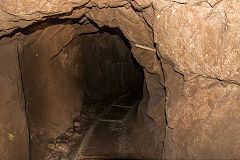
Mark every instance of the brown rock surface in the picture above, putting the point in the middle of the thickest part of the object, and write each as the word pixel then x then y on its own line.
pixel 198 45
pixel 200 39
pixel 13 122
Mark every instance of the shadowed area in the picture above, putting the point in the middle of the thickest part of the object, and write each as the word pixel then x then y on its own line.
pixel 88 92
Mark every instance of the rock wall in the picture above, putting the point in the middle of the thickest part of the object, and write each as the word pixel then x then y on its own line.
pixel 51 101
pixel 197 49
pixel 14 143
pixel 200 39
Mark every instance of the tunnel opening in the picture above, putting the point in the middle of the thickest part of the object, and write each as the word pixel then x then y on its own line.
pixel 110 69
pixel 86 96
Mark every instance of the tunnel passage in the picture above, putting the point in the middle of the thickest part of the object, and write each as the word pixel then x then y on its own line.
pixel 106 67
pixel 94 74
pixel 185 56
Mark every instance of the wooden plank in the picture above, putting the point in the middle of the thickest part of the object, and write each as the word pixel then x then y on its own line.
pixel 146 48
pixel 117 105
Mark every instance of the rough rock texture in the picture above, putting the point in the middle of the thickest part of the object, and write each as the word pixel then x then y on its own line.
pixel 51 102
pixel 44 78
pixel 146 139
pixel 13 122
pixel 198 48
pixel 156 103
pixel 199 39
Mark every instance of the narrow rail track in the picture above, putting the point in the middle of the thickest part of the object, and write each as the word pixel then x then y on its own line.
pixel 106 138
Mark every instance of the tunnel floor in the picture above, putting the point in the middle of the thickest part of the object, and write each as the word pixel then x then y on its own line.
pixel 100 135
pixel 107 137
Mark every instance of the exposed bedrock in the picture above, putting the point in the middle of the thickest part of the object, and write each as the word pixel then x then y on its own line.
pixel 14 137
pixel 196 66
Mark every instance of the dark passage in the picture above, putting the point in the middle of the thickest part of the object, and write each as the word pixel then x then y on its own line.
pixel 81 101
pixel 112 83
pixel 106 66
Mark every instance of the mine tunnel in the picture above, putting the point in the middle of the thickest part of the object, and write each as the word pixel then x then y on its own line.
pixel 119 79
pixel 85 94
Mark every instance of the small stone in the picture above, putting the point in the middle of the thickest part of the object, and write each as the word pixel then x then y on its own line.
pixel 76 124
pixel 62 147
pixel 69 132
pixel 51 146
pixel 76 135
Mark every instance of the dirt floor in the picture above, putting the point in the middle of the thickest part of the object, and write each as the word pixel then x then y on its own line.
pixel 100 132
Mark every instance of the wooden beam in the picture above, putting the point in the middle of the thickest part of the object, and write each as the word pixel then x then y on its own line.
pixel 117 105
pixel 146 48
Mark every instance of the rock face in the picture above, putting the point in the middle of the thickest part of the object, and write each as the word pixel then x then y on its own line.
pixel 196 65
pixel 200 41
pixel 52 96
pixel 13 121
